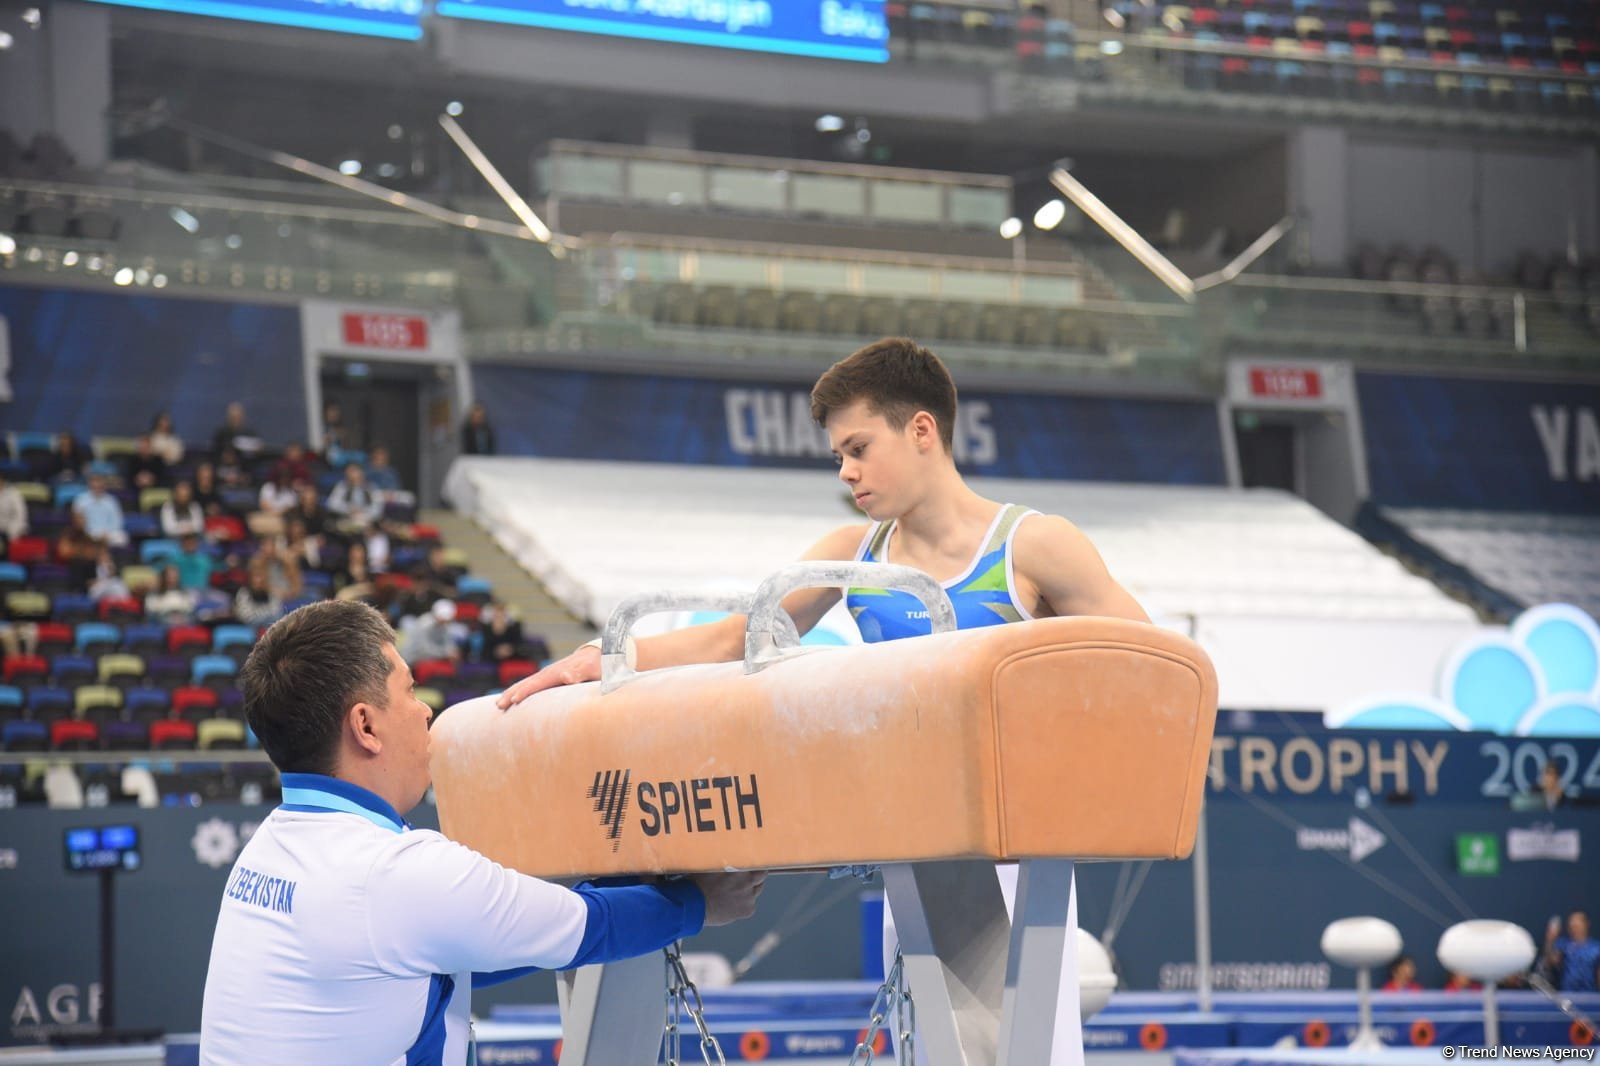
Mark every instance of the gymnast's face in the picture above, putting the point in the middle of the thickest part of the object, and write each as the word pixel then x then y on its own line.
pixel 405 732
pixel 876 461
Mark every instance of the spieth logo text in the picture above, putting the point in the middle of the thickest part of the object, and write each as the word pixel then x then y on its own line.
pixel 721 804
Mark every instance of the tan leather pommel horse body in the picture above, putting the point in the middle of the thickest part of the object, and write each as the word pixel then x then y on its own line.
pixel 1054 739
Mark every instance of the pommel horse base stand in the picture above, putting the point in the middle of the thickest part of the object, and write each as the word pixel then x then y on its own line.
pixel 936 757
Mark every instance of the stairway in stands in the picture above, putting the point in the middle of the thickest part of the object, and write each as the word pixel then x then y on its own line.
pixel 513 585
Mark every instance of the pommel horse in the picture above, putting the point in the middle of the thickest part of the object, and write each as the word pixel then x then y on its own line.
pixel 1037 742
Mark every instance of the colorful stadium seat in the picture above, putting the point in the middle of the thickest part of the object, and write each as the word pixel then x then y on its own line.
pixel 145 638
pixel 147 703
pixel 87 697
pixel 193 701
pixel 208 668
pixel 69 670
pixel 71 734
pixel 121 609
pixel 26 604
pixel 53 638
pixel 429 670
pixel 158 548
pixel 172 735
pixel 26 668
pixel 125 736
pixel 92 638
pixel 25 736
pixel 72 608
pixel 189 639
pixel 222 734
pixel 121 669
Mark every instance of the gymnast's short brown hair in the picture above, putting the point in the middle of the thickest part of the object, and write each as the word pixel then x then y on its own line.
pixel 897 377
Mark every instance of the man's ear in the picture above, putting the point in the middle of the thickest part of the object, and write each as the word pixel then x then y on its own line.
pixel 359 722
pixel 925 430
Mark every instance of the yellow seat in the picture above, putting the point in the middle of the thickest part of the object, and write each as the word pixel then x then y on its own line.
pixel 25 603
pixel 151 499
pixel 456 557
pixel 432 697
pixel 219 733
pixel 120 664
pixel 86 696
pixel 107 447
pixel 139 577
pixel 1306 25
pixel 34 492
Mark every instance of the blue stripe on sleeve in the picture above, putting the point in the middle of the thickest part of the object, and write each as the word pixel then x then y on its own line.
pixel 638 919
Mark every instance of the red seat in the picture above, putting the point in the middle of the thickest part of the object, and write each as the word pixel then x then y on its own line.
pixel 180 637
pixel 55 635
pixel 514 670
pixel 26 666
pixel 429 670
pixel 126 609
pixel 171 734
pixel 468 612
pixel 193 698
pixel 29 550
pixel 225 527
pixel 70 733
pixel 424 532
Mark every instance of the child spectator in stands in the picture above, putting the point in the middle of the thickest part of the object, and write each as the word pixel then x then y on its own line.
pixel 256 604
pixel 70 458
pixel 310 512
pixel 76 550
pixel 355 580
pixel 194 564
pixel 1402 976
pixel 107 583
pixel 234 433
pixel 164 440
pixel 231 473
pixel 207 493
pixel 353 500
pixel 181 515
pixel 146 469
pixel 477 435
pixel 1574 957
pixel 102 513
pixel 292 466
pixel 432 636
pixel 13 514
pixel 170 603
pixel 502 636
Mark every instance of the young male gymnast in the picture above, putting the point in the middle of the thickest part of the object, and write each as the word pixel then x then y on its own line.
pixel 889 412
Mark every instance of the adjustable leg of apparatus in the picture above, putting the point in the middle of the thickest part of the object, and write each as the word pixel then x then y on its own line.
pixel 612 1014
pixel 953 935
pixel 1042 1022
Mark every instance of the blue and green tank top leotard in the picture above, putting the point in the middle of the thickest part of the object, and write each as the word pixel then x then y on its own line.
pixel 983 596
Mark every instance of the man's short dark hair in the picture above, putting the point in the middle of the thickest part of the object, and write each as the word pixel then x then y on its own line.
pixel 304 675
pixel 897 377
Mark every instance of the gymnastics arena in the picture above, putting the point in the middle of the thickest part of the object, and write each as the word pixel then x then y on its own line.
pixel 517 322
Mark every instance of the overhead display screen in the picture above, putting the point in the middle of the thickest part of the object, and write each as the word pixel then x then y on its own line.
pixel 825 29
pixel 400 19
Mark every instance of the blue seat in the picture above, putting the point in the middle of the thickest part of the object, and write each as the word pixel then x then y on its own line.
pixel 140 526
pixel 11 696
pixel 31 440
pixel 72 669
pixel 13 573
pixel 95 634
pixel 146 699
pixel 467 586
pixel 146 636
pixel 205 666
pixel 46 701
pixel 232 636
pixel 72 608
pixel 318 582
pixel 24 736
pixel 65 494
pixel 158 548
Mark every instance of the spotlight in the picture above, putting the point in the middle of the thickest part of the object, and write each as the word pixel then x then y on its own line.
pixel 6 40
pixel 1011 228
pixel 8 244
pixel 454 108
pixel 159 281
pixel 69 260
pixel 123 276
pixel 32 17
pixel 829 123
pixel 396 132
pixel 1111 48
pixel 350 167
pixel 233 241
pixel 1050 215
pixel 185 219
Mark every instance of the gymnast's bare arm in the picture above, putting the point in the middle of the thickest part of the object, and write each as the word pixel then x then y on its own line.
pixel 713 642
pixel 1059 572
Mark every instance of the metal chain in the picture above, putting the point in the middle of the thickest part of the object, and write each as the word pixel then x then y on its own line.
pixel 893 999
pixel 681 992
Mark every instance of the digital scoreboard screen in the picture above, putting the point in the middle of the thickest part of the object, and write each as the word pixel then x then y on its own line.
pixel 825 29
pixel 106 847
pixel 400 19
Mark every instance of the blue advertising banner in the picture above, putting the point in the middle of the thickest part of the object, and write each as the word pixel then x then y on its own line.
pixel 825 29
pixel 399 19
pixel 101 363
pixel 1482 444
pixel 578 414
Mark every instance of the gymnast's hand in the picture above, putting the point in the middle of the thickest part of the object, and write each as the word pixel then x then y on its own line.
pixel 730 897
pixel 582 665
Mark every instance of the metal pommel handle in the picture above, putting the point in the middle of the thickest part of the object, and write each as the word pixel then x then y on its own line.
pixel 771 630
pixel 616 646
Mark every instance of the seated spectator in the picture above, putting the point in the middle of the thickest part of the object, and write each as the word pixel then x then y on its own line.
pixel 435 580
pixel 194 564
pixel 334 438
pixel 13 514
pixel 309 511
pixel 1574 957
pixel 207 493
pixel 477 436
pixel 380 475
pixel 432 636
pixel 231 473
pixel 1460 982
pixel 306 549
pixel 164 440
pixel 107 583
pixel 76 550
pixel 276 498
pixel 256 604
pixel 234 433
pixel 70 459
pixel 181 514
pixel 353 500
pixel 502 636
pixel 355 580
pixel 102 513
pixel 146 470
pixel 282 569
pixel 1402 976
pixel 292 467
pixel 170 602
pixel 378 548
